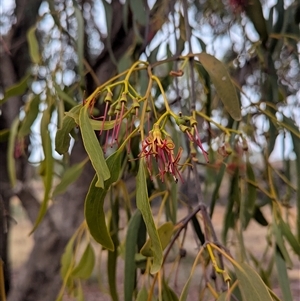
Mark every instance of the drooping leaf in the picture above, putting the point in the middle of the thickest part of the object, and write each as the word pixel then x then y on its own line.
pixel 167 293
pixel 144 207
pixel 31 113
pixel 224 86
pixel 251 285
pixel 142 295
pixel 255 14
pixel 286 231
pixel 62 138
pixel 93 148
pixel 130 251
pixel 67 260
pixel 95 215
pixel 16 89
pixel 109 19
pixel 11 164
pixel 69 176
pixel 64 96
pixel 165 232
pixel 294 130
pixel 283 277
pixel 33 44
pixel 80 40
pixel 281 244
pixel 112 266
pixel 86 264
pixel 47 164
pixel 93 207
pixel 138 9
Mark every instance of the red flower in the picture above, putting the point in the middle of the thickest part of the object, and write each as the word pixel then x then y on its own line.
pixel 162 150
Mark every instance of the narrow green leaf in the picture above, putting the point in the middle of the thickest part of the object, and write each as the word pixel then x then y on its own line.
pixel 286 231
pixel 93 148
pixel 16 89
pixel 86 264
pixel 167 293
pixel 67 260
pixel 250 198
pixel 48 164
pixel 95 216
pixel 34 50
pixel 251 285
pixel 138 9
pixel 64 96
pixel 69 176
pixel 144 207
pixel 255 14
pixel 296 143
pixel 113 255
pixel 142 295
pixel 223 84
pixel 233 198
pixel 109 19
pixel 62 138
pixel 165 232
pixel 31 113
pixel 93 207
pixel 11 164
pixel 80 40
pixel 79 292
pixel 130 251
pixel 281 245
pixel 283 277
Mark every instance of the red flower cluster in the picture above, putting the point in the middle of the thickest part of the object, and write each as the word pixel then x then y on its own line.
pixel 162 150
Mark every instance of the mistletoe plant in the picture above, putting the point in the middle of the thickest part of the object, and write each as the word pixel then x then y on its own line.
pixel 139 131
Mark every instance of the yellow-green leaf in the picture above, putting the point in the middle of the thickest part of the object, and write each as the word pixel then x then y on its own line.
pixel 251 285
pixel 31 111
pixel 223 84
pixel 34 50
pixel 142 201
pixel 69 176
pixel 11 164
pixel 93 148
pixel 62 138
pixel 86 264
pixel 165 232
pixel 130 251
pixel 48 163
pixel 16 89
pixel 95 215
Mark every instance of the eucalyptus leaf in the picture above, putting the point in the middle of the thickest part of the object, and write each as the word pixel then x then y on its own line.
pixel 33 43
pixel 86 264
pixel 222 81
pixel 62 138
pixel 31 113
pixel 144 206
pixel 251 285
pixel 69 176
pixel 16 89
pixel 11 163
pixel 93 206
pixel 93 148
pixel 130 251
